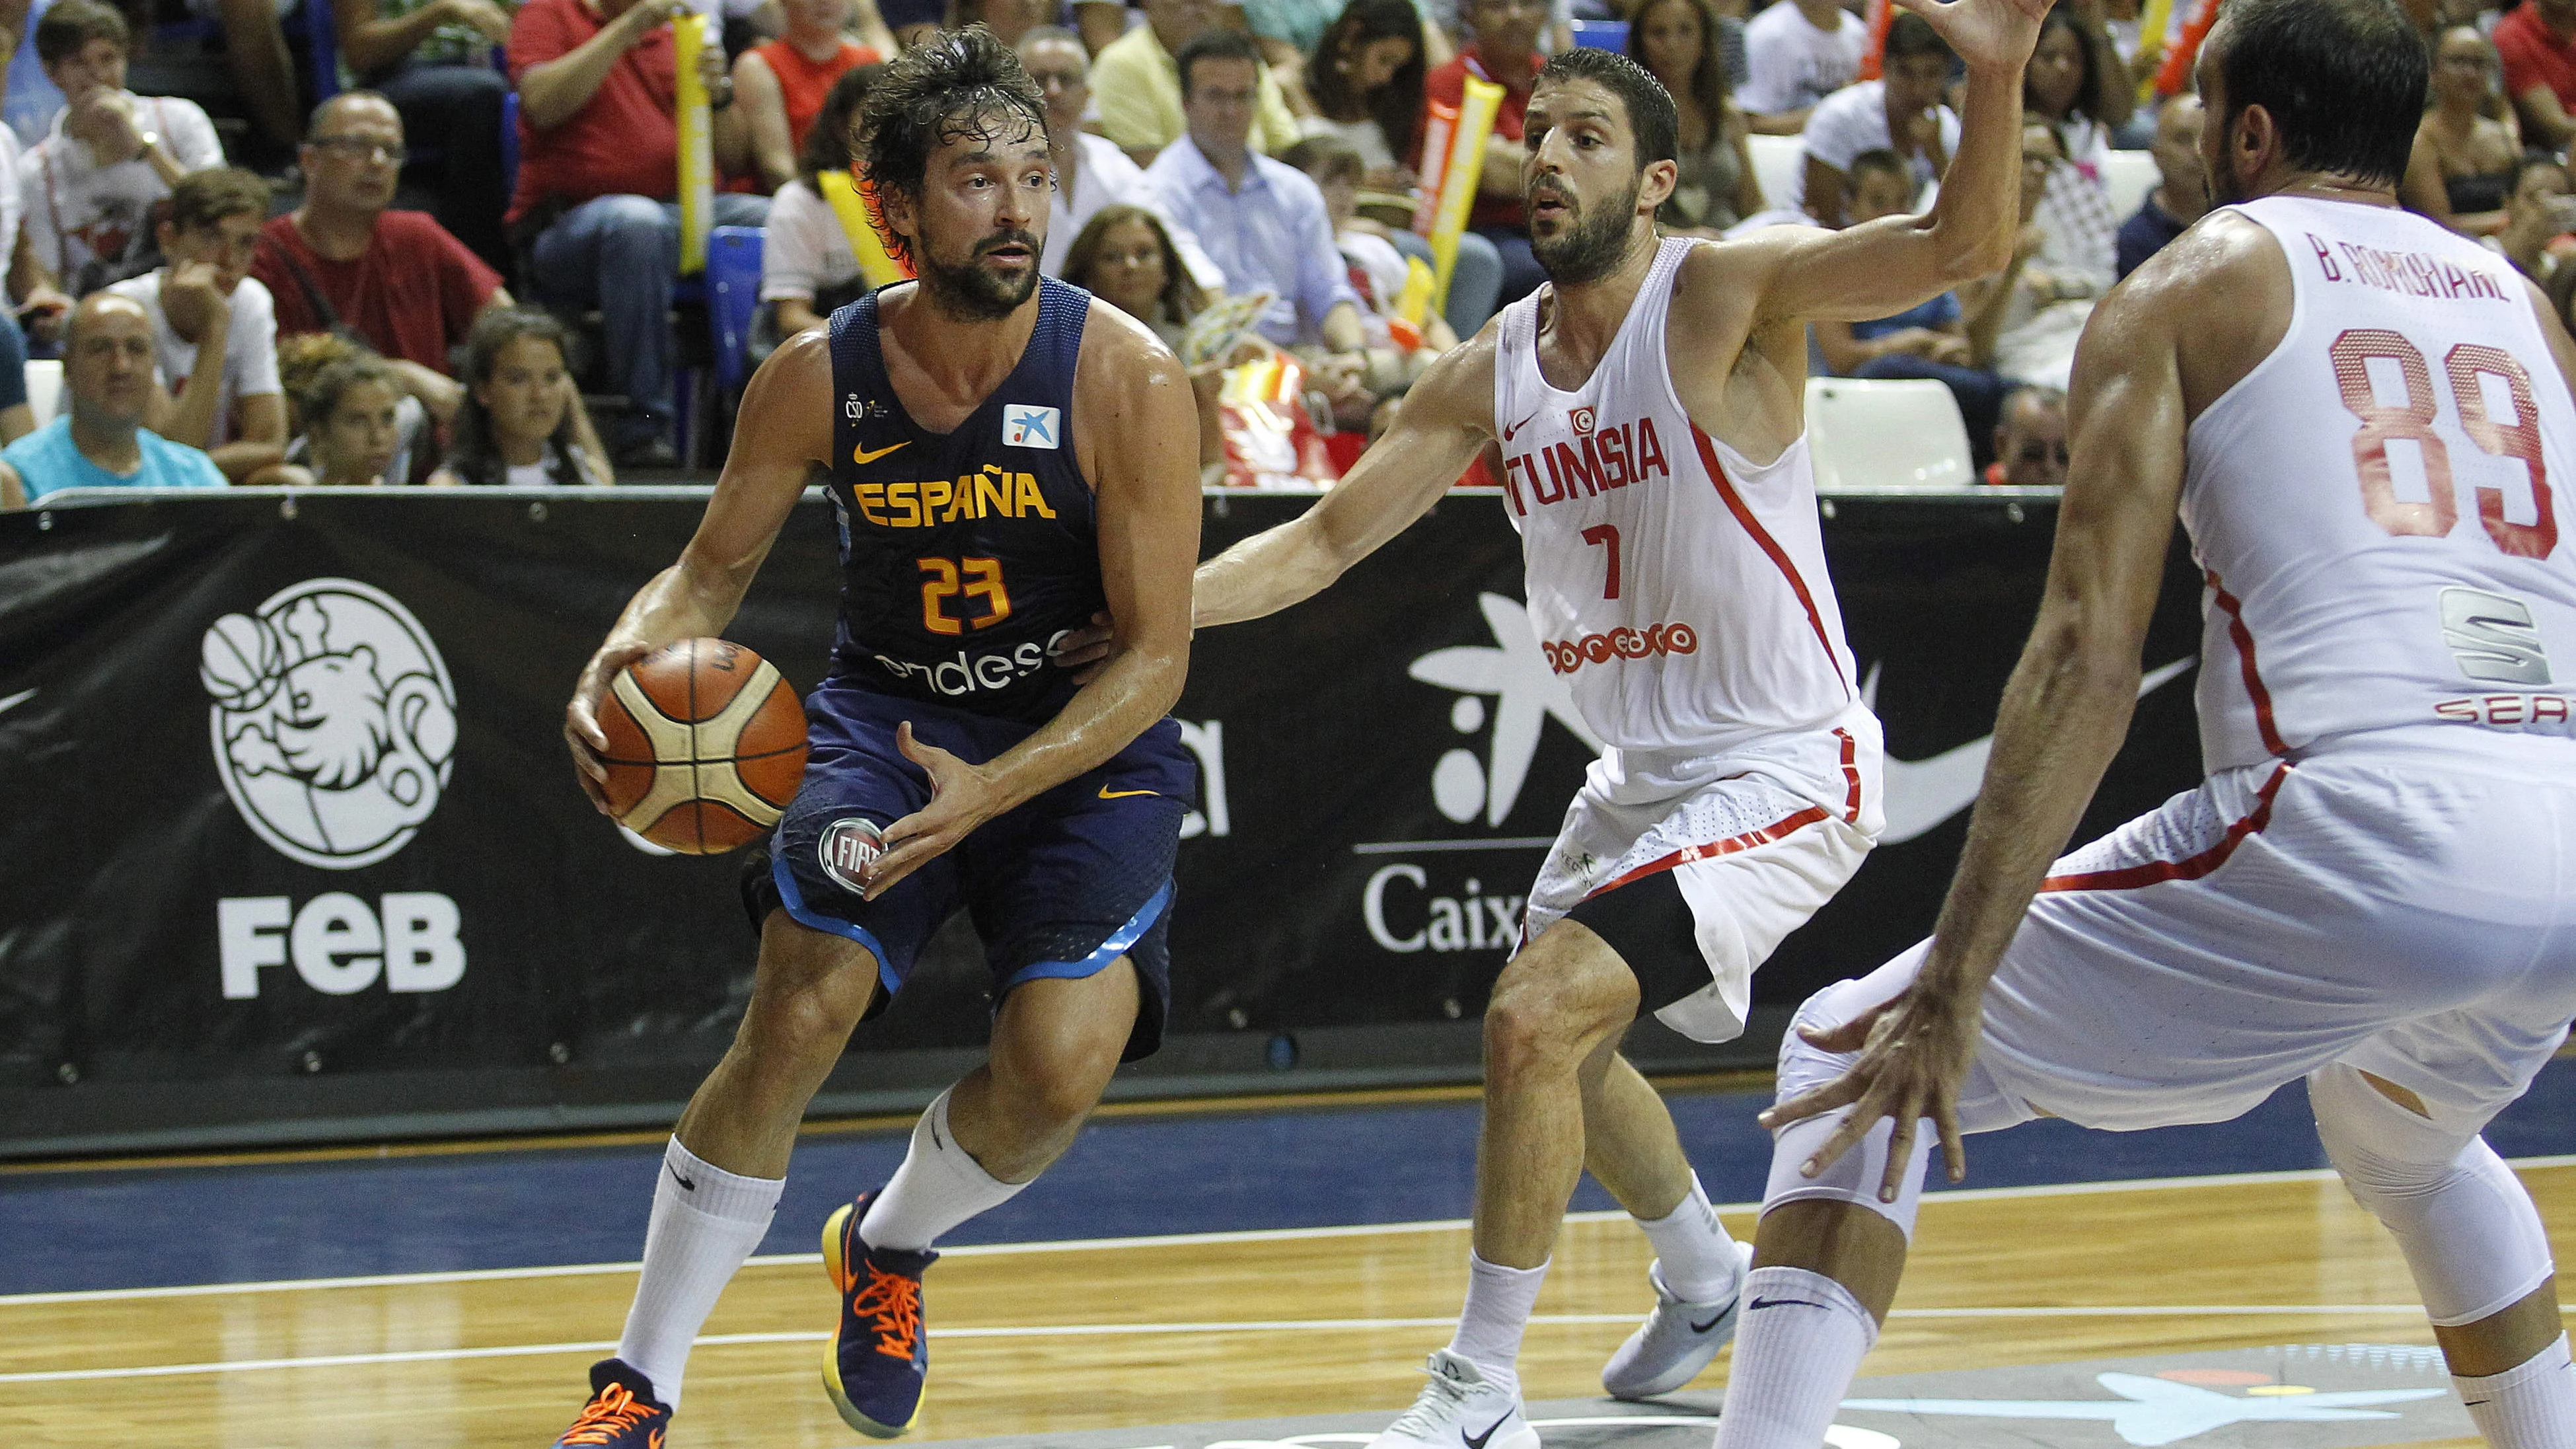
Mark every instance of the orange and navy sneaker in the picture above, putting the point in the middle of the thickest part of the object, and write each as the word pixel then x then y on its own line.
pixel 878 1360
pixel 622 1412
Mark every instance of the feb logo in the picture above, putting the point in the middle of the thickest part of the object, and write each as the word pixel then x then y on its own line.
pixel 1582 419
pixel 1028 427
pixel 845 850
pixel 334 721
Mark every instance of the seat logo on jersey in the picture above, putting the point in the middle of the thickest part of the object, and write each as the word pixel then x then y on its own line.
pixel 849 845
pixel 1653 641
pixel 2493 637
pixel 1028 427
pixel 933 502
pixel 1597 459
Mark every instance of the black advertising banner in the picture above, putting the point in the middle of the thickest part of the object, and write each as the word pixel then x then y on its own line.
pixel 290 832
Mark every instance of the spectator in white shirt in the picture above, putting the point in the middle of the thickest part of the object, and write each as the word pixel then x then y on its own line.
pixel 89 186
pixel 1090 171
pixel 1900 112
pixel 1795 54
pixel 808 267
pixel 214 328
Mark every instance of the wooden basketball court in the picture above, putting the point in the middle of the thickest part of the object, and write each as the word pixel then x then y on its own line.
pixel 1039 1338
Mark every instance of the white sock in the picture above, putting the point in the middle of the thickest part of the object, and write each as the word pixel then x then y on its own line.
pixel 1700 1264
pixel 2529 1406
pixel 1498 1307
pixel 705 1222
pixel 939 1186
pixel 1803 1338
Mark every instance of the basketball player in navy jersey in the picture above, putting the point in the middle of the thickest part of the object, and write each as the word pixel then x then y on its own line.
pixel 1005 457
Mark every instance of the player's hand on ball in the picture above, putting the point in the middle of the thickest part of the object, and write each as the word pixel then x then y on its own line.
pixel 1914 1052
pixel 1082 652
pixel 581 719
pixel 960 800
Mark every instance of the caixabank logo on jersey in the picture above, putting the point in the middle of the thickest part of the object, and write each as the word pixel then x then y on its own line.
pixel 333 722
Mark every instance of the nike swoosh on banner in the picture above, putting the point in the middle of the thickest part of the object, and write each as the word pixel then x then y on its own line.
pixel 1108 794
pixel 15 700
pixel 862 455
pixel 1477 1441
pixel 1921 794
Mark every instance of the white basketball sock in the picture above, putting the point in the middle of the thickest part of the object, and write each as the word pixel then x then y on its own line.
pixel 939 1186
pixel 1499 1300
pixel 2529 1406
pixel 1803 1338
pixel 1699 1261
pixel 705 1222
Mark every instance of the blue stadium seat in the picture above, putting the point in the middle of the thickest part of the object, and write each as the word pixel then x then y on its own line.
pixel 733 282
pixel 1602 34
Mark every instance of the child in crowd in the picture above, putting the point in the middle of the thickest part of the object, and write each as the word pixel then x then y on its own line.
pixel 203 299
pixel 301 360
pixel 519 421
pixel 351 421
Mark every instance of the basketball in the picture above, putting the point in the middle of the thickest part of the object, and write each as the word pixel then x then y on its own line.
pixel 706 742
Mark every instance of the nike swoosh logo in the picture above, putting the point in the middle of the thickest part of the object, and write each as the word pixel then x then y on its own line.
pixel 684 1183
pixel 1516 427
pixel 1108 794
pixel 1477 1441
pixel 862 455
pixel 1712 1323
pixel 1921 794
pixel 15 700
pixel 1784 1303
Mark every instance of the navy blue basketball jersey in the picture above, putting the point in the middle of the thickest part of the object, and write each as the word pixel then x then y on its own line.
pixel 965 554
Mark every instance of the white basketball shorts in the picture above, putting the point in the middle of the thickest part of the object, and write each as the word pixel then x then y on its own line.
pixel 1757 839
pixel 2402 908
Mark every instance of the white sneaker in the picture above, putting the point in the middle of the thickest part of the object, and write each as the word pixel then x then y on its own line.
pixel 1459 1410
pixel 1677 1340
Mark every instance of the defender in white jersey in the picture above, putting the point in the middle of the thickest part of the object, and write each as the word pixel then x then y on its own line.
pixel 1645 410
pixel 2365 423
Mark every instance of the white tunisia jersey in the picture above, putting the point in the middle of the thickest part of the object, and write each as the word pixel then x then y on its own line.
pixel 1679 585
pixel 2376 507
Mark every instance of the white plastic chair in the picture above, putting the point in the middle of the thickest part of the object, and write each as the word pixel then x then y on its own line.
pixel 1780 163
pixel 2128 176
pixel 1864 435
pixel 44 389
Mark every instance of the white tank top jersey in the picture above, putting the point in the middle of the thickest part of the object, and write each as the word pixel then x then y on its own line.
pixel 1679 586
pixel 2376 506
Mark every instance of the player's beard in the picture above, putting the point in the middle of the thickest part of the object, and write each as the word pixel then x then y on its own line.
pixel 974 293
pixel 1593 246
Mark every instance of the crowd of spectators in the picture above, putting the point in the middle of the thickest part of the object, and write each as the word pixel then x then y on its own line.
pixel 282 316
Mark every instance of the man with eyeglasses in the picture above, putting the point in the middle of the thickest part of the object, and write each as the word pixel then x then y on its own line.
pixel 1091 171
pixel 2030 443
pixel 344 261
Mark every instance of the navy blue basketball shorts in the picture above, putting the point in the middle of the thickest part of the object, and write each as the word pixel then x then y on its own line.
pixel 1061 885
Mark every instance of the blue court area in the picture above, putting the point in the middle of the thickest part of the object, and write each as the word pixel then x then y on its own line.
pixel 1317 1166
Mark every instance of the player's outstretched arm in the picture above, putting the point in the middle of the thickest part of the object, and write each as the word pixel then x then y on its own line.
pixel 1446 418
pixel 2063 717
pixel 1136 425
pixel 1885 266
pixel 783 433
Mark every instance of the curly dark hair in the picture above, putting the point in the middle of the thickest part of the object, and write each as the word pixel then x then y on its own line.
pixel 1395 106
pixel 964 85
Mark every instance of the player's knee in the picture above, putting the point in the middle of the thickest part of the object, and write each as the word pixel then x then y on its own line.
pixel 1530 1025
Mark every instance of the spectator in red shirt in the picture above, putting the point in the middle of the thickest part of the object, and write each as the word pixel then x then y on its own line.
pixel 2537 41
pixel 599 144
pixel 1505 52
pixel 343 262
